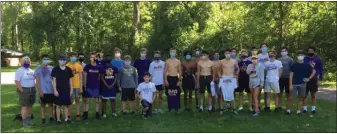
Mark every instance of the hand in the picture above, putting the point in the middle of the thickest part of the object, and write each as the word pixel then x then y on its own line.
pixel 71 92
pixel 306 80
pixel 318 83
pixel 41 94
pixel 178 84
pixel 166 83
pixel 81 90
pixel 120 89
pixel 20 90
pixel 261 86
pixel 291 87
pixel 56 94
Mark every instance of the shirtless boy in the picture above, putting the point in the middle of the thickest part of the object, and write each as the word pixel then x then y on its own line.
pixel 188 82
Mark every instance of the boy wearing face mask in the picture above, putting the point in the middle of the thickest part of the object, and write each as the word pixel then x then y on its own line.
pixel 216 65
pixel 127 83
pixel 204 78
pixel 99 58
pixel 312 85
pixel 142 64
pixel 274 72
pixel 84 93
pixel 156 69
pixel 172 78
pixel 63 87
pixel 244 80
pixel 262 58
pixel 301 73
pixel 253 52
pixel 196 60
pixel 188 82
pixel 92 83
pixel 117 61
pixel 44 84
pixel 284 80
pixel 77 83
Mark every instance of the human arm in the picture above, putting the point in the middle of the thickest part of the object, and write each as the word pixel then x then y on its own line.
pixel 291 80
pixel 165 74
pixel 18 76
pixel 179 74
pixel 135 76
pixel 54 87
pixel 261 74
pixel 198 75
pixel 249 69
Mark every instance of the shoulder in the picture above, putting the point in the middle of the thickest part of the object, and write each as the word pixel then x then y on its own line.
pixel 20 70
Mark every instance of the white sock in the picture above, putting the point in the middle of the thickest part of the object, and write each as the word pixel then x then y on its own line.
pixel 313 108
pixel 288 110
pixel 305 108
pixel 201 107
pixel 298 111
pixel 210 107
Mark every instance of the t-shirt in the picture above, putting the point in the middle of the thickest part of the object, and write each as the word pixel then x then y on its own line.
pixel 46 81
pixel 110 74
pixel 146 91
pixel 62 78
pixel 117 63
pixel 243 67
pixel 273 70
pixel 157 71
pixel 262 58
pixel 286 63
pixel 301 71
pixel 92 76
pixel 25 77
pixel 77 70
pixel 142 67
pixel 100 62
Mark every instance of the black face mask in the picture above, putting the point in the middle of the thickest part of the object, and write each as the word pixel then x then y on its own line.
pixel 108 60
pixel 311 54
pixel 81 59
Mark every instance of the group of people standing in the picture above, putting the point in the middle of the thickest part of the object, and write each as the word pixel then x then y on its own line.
pixel 145 81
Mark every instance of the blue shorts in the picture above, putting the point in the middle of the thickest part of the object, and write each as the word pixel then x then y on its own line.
pixel 63 99
pixel 93 93
pixel 109 93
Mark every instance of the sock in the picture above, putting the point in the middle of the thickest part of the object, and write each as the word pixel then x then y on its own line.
pixel 313 108
pixel 201 107
pixel 288 110
pixel 210 107
pixel 298 111
pixel 68 117
pixel 305 108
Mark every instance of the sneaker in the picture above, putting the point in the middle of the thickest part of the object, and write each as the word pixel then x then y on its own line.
pixel 68 121
pixel 104 115
pixel 298 114
pixel 97 116
pixel 313 112
pixel 267 109
pixel 58 122
pixel 43 121
pixel 124 113
pixel 240 108
pixel 235 112
pixel 256 114
pixel 200 110
pixel 277 110
pixel 221 112
pixel 213 109
pixel 114 114
pixel 288 113
pixel 305 111
pixel 51 119
pixel 78 117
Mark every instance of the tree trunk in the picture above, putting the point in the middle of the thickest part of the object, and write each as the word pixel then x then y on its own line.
pixel 281 23
pixel 136 22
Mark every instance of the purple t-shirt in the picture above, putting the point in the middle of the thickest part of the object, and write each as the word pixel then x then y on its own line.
pixel 110 74
pixel 142 67
pixel 316 63
pixel 243 67
pixel 92 76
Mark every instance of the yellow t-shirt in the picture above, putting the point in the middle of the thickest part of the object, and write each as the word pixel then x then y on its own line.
pixel 77 70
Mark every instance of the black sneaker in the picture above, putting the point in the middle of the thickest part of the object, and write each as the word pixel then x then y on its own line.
pixel 277 110
pixel 298 114
pixel 32 117
pixel 313 112
pixel 200 110
pixel 58 122
pixel 288 113
pixel 43 121
pixel 124 113
pixel 305 111
pixel 267 109
pixel 132 112
pixel 68 121
pixel 97 116
pixel 51 119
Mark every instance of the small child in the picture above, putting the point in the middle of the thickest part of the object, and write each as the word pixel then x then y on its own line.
pixel 146 92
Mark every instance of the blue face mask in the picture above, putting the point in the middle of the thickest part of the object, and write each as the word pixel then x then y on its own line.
pixel 188 57
pixel 233 55
pixel 157 58
pixel 264 49
pixel 142 55
pixel 45 62
pixel 217 57
pixel 172 54
pixel 73 59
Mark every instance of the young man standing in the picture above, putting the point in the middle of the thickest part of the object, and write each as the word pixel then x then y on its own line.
pixel 84 93
pixel 204 79
pixel 244 80
pixel 99 58
pixel 109 78
pixel 226 82
pixel 216 65
pixel 284 80
pixel 172 77
pixel 92 83
pixel 128 82
pixel 196 60
pixel 117 61
pixel 44 84
pixel 63 89
pixel 312 85
pixel 188 82
pixel 274 71
pixel 253 52
pixel 300 74
pixel 156 69
pixel 77 83
pixel 146 92
pixel 262 58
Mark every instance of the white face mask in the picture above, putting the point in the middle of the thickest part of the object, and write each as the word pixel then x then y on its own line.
pixel 118 55
pixel 228 55
pixel 300 58
pixel 204 57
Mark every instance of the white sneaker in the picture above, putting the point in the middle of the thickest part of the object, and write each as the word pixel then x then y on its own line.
pixel 240 108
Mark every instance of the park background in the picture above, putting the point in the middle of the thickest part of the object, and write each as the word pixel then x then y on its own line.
pixel 58 27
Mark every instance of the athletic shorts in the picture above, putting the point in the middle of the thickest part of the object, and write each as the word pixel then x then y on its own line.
pixel 128 94
pixel 243 84
pixel 108 93
pixel 188 81
pixel 93 93
pixel 27 97
pixel 76 93
pixel 271 86
pixel 159 87
pixel 48 99
pixel 63 99
pixel 284 85
pixel 85 94
pixel 173 93
pixel 205 82
pixel 299 90
pixel 312 86
pixel 172 80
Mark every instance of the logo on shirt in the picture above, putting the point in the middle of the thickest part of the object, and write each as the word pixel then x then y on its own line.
pixel 271 67
pixel 158 67
pixel 109 73
pixel 128 71
pixel 93 71
pixel 264 60
pixel 312 63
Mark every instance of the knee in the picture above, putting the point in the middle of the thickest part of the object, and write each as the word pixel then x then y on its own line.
pixel 313 96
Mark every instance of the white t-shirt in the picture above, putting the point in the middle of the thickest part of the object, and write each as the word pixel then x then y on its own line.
pixel 273 70
pixel 263 58
pixel 157 71
pixel 146 91
pixel 25 77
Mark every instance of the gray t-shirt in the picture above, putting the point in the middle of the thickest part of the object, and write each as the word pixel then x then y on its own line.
pixel 46 81
pixel 286 63
pixel 128 77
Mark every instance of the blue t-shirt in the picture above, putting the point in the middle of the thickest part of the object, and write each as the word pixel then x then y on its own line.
pixel 46 81
pixel 142 67
pixel 117 63
pixel 300 71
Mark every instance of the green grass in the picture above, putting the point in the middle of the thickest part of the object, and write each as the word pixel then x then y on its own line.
pixel 13 69
pixel 329 84
pixel 323 121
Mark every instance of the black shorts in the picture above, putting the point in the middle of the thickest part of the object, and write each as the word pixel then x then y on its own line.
pixel 48 99
pixel 205 82
pixel 243 84
pixel 284 85
pixel 149 105
pixel 85 94
pixel 312 86
pixel 63 99
pixel 188 81
pixel 128 94
pixel 159 87
pixel 172 80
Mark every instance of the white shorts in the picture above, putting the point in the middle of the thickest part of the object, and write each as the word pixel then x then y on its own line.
pixel 272 86
pixel 226 83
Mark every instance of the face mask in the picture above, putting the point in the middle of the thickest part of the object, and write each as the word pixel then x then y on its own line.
pixel 310 54
pixel 264 49
pixel 284 53
pixel 45 62
pixel 108 60
pixel 254 52
pixel 233 55
pixel 62 62
pixel 188 57
pixel 118 55
pixel 300 58
pixel 92 60
pixel 271 56
pixel 227 55
pixel 157 58
pixel 142 55
pixel 244 57
pixel 26 65
pixel 197 53
pixel 204 57
pixel 172 54
pixel 127 63
pixel 81 59
pixel 73 59
pixel 217 57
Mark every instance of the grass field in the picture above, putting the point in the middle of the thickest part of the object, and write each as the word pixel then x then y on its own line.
pixel 323 121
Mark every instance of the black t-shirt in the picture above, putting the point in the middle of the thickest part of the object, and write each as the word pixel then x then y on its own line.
pixel 62 78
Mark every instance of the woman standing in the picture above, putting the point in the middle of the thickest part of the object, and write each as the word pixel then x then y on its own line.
pixel 25 83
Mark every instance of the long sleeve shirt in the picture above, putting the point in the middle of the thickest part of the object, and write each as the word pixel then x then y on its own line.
pixel 127 77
